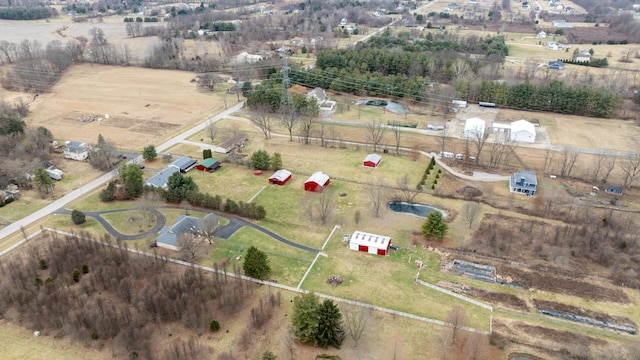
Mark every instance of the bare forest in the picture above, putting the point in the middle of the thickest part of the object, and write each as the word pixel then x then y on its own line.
pixel 101 295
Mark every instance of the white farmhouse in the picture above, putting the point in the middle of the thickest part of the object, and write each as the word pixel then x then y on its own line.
pixel 523 131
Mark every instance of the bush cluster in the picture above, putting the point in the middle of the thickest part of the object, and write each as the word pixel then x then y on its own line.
pixel 6 202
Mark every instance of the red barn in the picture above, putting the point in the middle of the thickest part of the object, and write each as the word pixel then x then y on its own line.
pixel 280 177
pixel 372 160
pixel 209 164
pixel 317 182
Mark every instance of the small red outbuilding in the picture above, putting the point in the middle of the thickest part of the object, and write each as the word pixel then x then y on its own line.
pixel 317 182
pixel 280 177
pixel 372 160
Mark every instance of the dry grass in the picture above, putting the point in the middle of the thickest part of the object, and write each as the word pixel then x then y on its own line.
pixel 139 114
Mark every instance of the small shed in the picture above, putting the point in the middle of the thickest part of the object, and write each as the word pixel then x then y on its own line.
pixel 280 177
pixel 372 160
pixel 523 131
pixel 317 182
pixel 435 126
pixel 209 164
pixel 498 127
pixel 616 190
pixel 370 243
pixel 185 164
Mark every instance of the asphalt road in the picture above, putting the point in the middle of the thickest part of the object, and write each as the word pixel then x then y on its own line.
pixel 75 194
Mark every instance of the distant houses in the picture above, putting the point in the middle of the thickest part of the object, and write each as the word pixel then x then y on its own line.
pixel 523 182
pixel 169 236
pixel 321 98
pixel 615 190
pixel 232 142
pixel 582 56
pixel 76 150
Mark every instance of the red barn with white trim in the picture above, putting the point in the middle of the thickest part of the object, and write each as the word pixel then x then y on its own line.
pixel 280 177
pixel 370 243
pixel 317 182
pixel 372 160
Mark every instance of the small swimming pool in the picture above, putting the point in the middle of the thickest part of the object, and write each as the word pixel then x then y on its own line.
pixel 412 209
pixel 389 105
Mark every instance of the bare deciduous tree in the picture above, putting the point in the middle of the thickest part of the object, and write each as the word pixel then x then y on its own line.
pixel 212 131
pixel 397 134
pixel 208 226
pixel 631 168
pixel 457 319
pixel 569 158
pixel 479 140
pixel 261 117
pixel 288 118
pixel 378 195
pixel 375 133
pixel 470 212
pixel 325 205
pixel 357 320
pixel 145 205
pixel 475 348
pixel 500 150
pixel 549 156
pixel 408 193
pixel 306 124
pixel 443 136
pixel 598 163
pixel 190 244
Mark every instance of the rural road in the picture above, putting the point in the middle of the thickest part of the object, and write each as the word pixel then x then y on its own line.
pixel 75 194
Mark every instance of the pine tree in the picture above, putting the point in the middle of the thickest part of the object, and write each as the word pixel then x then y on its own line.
pixel 276 161
pixel 305 317
pixel 256 264
pixel 149 153
pixel 330 327
pixel 434 226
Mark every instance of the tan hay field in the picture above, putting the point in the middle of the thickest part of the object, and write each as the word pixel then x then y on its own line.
pixel 144 106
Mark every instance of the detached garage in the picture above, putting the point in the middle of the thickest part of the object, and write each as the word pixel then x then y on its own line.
pixel 370 243
pixel 523 131
pixel 280 177
pixel 317 182
pixel 372 161
pixel 209 164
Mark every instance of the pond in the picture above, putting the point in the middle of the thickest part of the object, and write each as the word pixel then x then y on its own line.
pixel 412 209
pixel 389 105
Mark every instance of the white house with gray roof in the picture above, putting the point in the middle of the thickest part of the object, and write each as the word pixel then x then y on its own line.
pixel 524 182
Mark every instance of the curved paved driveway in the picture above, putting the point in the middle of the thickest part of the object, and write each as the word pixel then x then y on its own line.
pixel 225 232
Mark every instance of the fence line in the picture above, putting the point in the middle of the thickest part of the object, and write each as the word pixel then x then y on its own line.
pixel 262 282
pixel 456 295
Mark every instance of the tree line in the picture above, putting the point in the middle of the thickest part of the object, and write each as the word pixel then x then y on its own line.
pixel 27 13
pixel 555 96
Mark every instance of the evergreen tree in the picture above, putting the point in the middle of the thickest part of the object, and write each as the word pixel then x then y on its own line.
pixel 78 217
pixel 43 182
pixel 305 317
pixel 330 327
pixel 260 160
pixel 256 264
pixel 149 153
pixel 131 177
pixel 276 161
pixel 434 226
pixel 178 186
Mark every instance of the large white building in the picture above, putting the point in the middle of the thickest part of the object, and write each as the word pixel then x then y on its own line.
pixel 474 128
pixel 370 243
pixel 523 131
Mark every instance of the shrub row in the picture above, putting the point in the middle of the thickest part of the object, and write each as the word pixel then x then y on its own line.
pixel 241 208
pixel 6 202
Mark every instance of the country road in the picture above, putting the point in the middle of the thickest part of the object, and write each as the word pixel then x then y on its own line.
pixel 75 194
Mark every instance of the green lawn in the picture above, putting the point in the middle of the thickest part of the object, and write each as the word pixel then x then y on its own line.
pixel 20 208
pixel 129 222
pixel 288 264
pixel 387 282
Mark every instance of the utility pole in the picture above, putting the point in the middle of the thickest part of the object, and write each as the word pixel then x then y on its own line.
pixel 286 82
